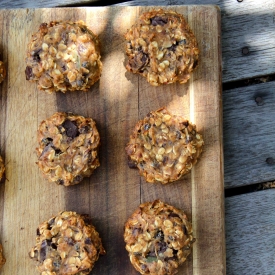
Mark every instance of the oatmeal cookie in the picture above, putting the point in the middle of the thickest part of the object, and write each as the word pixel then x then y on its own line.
pixel 66 244
pixel 2 168
pixel 63 56
pixel 164 147
pixel 2 258
pixel 3 71
pixel 162 48
pixel 158 238
pixel 68 148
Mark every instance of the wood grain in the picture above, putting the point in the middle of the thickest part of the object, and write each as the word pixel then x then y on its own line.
pixel 116 103
pixel 250 227
pixel 249 134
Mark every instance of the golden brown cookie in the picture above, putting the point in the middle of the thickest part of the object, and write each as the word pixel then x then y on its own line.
pixel 66 244
pixel 158 238
pixel 63 56
pixel 2 258
pixel 161 47
pixel 3 71
pixel 164 147
pixel 2 168
pixel 68 148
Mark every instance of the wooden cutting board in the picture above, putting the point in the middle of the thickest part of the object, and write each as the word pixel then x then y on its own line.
pixel 116 103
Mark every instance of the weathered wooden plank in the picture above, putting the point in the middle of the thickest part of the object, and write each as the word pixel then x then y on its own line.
pixel 244 24
pixel 249 133
pixel 250 233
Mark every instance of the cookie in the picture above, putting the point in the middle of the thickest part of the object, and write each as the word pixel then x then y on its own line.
pixel 164 147
pixel 158 238
pixel 66 244
pixel 63 56
pixel 2 168
pixel 3 71
pixel 2 258
pixel 68 148
pixel 161 47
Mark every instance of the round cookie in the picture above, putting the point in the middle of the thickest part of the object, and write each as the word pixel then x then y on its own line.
pixel 68 148
pixel 161 47
pixel 2 168
pixel 63 56
pixel 2 258
pixel 66 244
pixel 158 238
pixel 3 71
pixel 164 147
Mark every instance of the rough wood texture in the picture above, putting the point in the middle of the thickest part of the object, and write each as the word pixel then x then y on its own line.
pixel 244 24
pixel 116 102
pixel 250 227
pixel 249 134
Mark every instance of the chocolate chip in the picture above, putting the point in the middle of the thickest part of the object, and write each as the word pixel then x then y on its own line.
pixel 57 151
pixel 136 231
pixel 139 62
pixel 28 73
pixel 43 250
pixel 182 42
pixel 84 130
pixel 77 179
pixel 173 215
pixel 70 128
pixel 159 235
pixel 60 181
pixel 54 246
pixel 162 246
pixel 178 135
pixel 83 29
pixel 184 230
pixel 36 56
pixel 132 163
pixel 157 20
pixel 88 241
pixel 86 64
pixel 47 140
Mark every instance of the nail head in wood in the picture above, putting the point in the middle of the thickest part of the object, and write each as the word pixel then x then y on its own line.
pixel 270 161
pixel 245 50
pixel 259 100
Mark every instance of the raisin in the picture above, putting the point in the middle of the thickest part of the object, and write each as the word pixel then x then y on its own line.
pixel 157 20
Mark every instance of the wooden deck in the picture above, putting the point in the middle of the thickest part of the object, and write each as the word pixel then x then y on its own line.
pixel 249 134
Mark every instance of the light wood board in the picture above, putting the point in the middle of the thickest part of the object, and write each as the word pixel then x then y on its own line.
pixel 116 103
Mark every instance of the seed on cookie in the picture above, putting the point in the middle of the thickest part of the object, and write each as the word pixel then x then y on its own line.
pixel 158 238
pixel 68 148
pixel 164 147
pixel 66 244
pixel 2 168
pixel 63 56
pixel 161 47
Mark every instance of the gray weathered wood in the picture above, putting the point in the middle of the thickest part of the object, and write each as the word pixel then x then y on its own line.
pixel 249 134
pixel 250 233
pixel 244 24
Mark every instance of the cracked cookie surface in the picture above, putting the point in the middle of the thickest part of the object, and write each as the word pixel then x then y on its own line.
pixel 2 168
pixel 158 238
pixel 164 147
pixel 2 258
pixel 66 244
pixel 68 148
pixel 63 56
pixel 162 48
